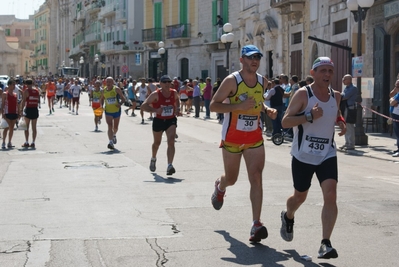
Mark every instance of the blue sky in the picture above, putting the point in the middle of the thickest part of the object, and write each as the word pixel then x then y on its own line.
pixel 20 8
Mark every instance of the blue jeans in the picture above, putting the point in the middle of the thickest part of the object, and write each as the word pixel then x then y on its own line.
pixel 277 122
pixel 396 128
pixel 207 102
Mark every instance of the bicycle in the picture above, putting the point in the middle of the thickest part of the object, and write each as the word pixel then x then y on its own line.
pixel 278 138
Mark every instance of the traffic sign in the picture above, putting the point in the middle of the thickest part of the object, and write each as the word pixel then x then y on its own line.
pixel 125 69
pixel 103 66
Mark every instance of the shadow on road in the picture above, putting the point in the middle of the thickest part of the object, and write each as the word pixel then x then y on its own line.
pixel 259 254
pixel 167 180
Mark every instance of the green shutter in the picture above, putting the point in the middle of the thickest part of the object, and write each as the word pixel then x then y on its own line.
pixel 183 12
pixel 225 14
pixel 214 14
pixel 158 21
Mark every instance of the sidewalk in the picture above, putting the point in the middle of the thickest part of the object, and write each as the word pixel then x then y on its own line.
pixel 380 146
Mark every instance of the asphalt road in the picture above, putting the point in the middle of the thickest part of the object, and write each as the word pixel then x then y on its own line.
pixel 72 202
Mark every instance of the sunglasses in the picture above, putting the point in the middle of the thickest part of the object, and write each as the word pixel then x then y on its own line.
pixel 252 57
pixel 167 82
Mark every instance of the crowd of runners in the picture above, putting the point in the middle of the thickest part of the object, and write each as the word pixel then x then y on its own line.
pixel 239 102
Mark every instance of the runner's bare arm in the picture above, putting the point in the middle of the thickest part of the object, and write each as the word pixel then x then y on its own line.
pixel 146 106
pixel 227 88
pixel 296 105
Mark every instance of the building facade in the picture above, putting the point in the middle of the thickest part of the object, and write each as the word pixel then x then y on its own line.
pixel 122 38
pixel 16 46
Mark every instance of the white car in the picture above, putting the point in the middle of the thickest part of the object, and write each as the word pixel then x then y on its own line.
pixel 4 78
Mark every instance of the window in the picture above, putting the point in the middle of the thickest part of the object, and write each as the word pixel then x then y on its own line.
pixel 8 32
pixel 340 26
pixel 296 38
pixel 18 32
pixel 27 33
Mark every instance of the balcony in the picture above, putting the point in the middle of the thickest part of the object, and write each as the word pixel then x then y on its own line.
pixel 107 47
pixel 93 8
pixel 75 51
pixel 179 33
pixel 121 11
pixel 93 38
pixel 80 15
pixel 108 10
pixel 288 6
pixel 152 36
pixel 129 47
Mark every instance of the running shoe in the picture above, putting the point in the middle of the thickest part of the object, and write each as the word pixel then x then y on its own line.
pixel 52 109
pixel 258 232
pixel 326 251
pixel 9 145
pixel 114 139
pixel 25 144
pixel 111 146
pixel 3 145
pixel 77 113
pixel 127 111
pixel 287 228
pixel 217 196
pixel 133 115
pixel 170 170
pixel 152 164
pixel 395 154
pixel 142 121
pixel 32 145
pixel 96 129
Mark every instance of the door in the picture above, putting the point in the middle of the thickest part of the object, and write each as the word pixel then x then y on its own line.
pixel 296 63
pixel 184 69
pixel 382 73
pixel 341 58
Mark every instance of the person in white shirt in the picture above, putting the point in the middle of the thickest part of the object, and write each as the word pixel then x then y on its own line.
pixel 60 91
pixel 75 90
pixel 144 92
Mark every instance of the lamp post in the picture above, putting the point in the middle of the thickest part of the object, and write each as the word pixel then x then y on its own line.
pixel 359 10
pixel 71 62
pixel 81 62
pixel 227 39
pixel 161 52
pixel 96 60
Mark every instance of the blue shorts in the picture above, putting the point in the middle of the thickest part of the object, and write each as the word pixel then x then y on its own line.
pixel 65 93
pixel 114 115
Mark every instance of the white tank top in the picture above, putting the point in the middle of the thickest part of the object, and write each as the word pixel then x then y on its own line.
pixel 314 142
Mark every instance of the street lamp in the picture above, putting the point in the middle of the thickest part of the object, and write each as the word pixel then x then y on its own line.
pixel 359 10
pixel 81 62
pixel 96 60
pixel 71 62
pixel 227 39
pixel 161 52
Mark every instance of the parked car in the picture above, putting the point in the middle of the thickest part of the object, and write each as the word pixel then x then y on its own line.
pixel 4 79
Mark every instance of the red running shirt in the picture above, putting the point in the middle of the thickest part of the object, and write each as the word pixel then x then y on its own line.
pixel 11 104
pixel 166 103
pixel 33 98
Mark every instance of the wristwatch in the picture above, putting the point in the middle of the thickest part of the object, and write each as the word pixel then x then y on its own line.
pixel 309 117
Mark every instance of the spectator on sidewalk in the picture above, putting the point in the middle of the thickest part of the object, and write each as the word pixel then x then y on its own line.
pixel 349 95
pixel 394 94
